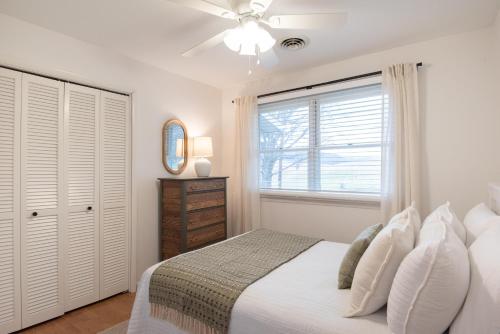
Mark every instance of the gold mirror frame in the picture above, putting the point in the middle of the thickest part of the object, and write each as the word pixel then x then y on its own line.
pixel 163 153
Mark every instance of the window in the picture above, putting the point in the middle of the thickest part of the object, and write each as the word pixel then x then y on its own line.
pixel 328 142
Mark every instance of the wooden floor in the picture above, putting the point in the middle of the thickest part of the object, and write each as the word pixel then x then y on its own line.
pixel 90 319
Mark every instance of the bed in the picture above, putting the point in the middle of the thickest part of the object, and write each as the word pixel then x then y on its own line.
pixel 300 296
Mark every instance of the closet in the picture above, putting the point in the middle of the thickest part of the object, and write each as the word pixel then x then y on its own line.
pixel 64 197
pixel 81 231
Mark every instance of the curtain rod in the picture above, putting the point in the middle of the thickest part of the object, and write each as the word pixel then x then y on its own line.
pixel 355 77
pixel 62 80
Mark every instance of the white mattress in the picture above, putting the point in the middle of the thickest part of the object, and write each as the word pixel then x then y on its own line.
pixel 301 296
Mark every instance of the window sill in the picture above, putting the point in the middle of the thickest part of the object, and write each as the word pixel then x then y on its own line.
pixel 350 199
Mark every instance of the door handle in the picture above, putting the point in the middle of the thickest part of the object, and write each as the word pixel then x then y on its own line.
pixel 89 208
pixel 34 214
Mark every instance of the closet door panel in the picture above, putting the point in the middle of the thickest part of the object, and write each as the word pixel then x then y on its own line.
pixel 115 187
pixel 10 116
pixel 81 231
pixel 41 199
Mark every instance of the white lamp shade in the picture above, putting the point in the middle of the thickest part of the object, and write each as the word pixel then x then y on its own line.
pixel 249 37
pixel 202 147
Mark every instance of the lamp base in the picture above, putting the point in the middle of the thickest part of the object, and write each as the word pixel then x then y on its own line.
pixel 202 166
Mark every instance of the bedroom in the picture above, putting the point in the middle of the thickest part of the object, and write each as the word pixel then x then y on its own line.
pixel 131 51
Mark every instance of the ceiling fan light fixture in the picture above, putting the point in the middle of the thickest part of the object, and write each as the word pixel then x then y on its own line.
pixel 233 39
pixel 247 37
pixel 266 41
pixel 247 49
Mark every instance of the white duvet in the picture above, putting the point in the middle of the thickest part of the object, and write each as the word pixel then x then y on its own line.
pixel 301 296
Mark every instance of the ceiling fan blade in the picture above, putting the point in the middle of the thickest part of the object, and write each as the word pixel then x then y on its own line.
pixel 260 6
pixel 206 7
pixel 269 59
pixel 308 21
pixel 209 43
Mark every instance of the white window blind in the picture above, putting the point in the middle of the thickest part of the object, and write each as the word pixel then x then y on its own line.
pixel 323 143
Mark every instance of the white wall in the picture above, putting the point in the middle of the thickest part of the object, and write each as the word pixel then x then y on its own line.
pixel 497 29
pixel 158 96
pixel 497 35
pixel 460 133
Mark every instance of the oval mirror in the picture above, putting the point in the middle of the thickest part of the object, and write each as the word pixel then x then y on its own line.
pixel 175 146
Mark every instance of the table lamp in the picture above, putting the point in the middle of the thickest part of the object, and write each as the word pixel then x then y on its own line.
pixel 202 149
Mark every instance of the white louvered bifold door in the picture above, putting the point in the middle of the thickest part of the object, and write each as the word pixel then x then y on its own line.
pixel 115 189
pixel 81 228
pixel 42 205
pixel 10 141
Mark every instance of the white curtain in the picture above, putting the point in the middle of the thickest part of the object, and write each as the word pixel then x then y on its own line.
pixel 245 203
pixel 400 140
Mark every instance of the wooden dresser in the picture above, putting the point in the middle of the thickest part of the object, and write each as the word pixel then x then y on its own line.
pixel 193 213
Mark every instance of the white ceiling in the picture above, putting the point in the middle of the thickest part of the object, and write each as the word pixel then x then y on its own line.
pixel 157 32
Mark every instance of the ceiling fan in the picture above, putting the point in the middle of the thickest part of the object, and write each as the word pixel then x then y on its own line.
pixel 249 37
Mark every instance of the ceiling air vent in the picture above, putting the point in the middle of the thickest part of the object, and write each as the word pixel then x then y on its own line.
pixel 293 43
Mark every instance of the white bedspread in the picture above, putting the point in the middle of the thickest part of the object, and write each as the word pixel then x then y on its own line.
pixel 301 296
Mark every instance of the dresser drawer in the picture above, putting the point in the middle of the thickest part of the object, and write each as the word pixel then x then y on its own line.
pixel 206 235
pixel 202 218
pixel 194 186
pixel 196 201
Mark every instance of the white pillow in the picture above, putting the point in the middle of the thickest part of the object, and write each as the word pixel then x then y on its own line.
pixel 481 310
pixel 431 283
pixel 414 219
pixel 375 271
pixel 478 220
pixel 445 211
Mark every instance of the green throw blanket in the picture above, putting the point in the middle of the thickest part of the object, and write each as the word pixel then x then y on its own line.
pixel 196 291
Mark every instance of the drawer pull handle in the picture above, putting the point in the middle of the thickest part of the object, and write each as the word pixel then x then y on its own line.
pixel 34 214
pixel 89 208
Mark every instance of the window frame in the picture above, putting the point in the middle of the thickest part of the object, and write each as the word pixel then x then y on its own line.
pixel 348 198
